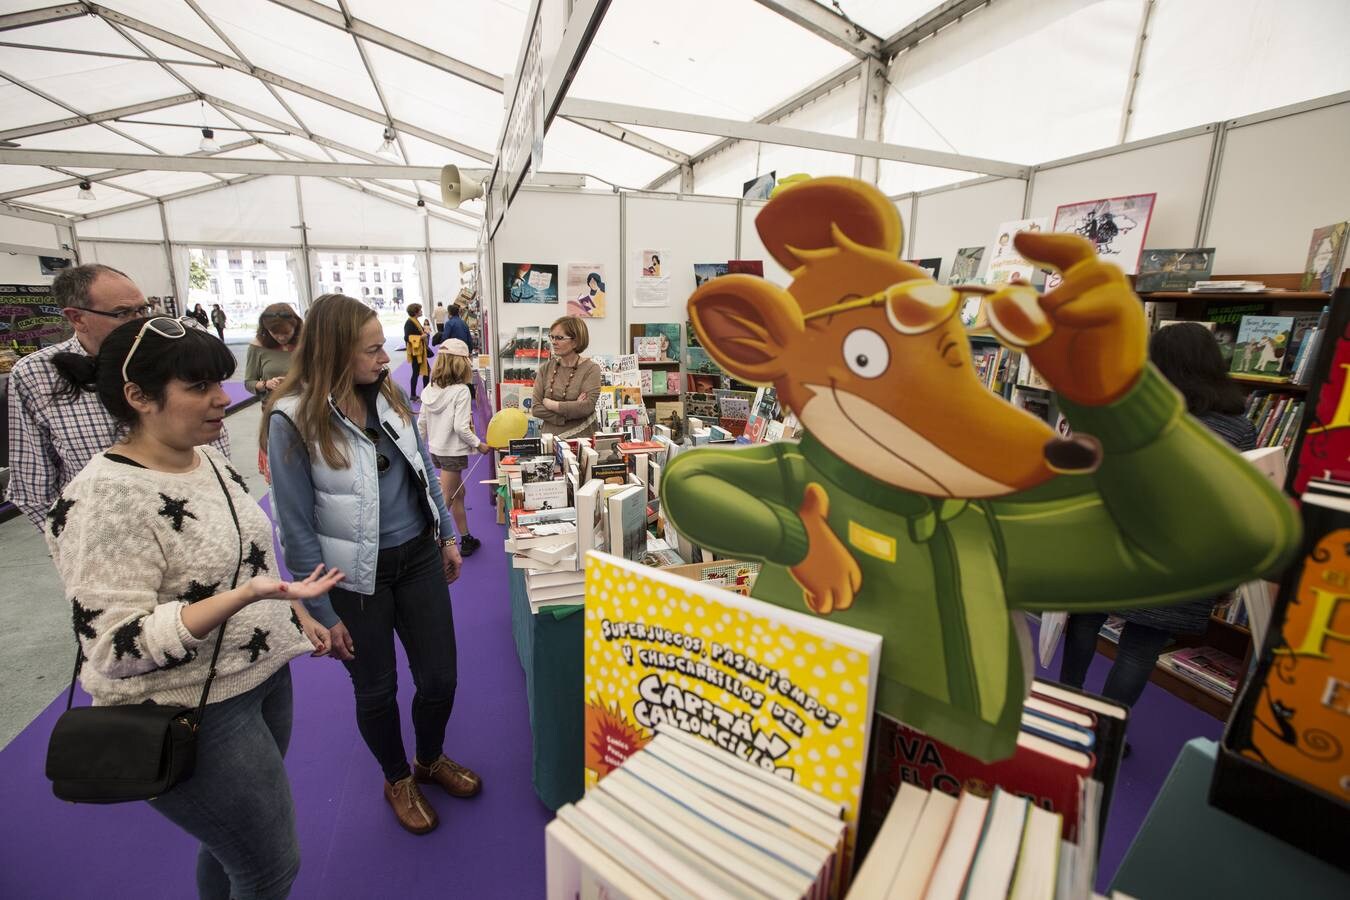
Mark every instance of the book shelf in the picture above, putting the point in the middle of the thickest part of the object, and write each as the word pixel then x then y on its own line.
pixel 672 367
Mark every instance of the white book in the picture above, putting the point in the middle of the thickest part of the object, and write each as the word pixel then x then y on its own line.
pixel 632 843
pixel 546 495
pixel 561 592
pixel 878 871
pixel 1000 843
pixel 921 856
pixel 958 851
pixel 575 867
pixel 1038 860
pixel 566 564
pixel 552 579
pixel 591 533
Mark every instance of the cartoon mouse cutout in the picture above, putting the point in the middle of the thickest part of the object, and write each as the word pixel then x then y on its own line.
pixel 921 506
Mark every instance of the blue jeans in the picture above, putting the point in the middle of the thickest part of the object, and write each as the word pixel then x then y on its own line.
pixel 411 600
pixel 238 800
pixel 1136 655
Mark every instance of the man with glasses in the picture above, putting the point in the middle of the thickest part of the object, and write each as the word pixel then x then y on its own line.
pixel 49 440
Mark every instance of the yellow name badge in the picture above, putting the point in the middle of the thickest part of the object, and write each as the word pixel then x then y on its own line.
pixel 873 543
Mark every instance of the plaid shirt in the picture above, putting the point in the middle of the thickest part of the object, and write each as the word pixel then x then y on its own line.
pixel 50 440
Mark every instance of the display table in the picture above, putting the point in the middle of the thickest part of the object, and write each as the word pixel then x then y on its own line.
pixel 1187 848
pixel 551 652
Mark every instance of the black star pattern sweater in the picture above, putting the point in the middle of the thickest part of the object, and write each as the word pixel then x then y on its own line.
pixel 134 547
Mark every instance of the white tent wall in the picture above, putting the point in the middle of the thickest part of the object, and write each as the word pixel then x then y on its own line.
pixel 342 217
pixel 136 224
pixel 557 228
pixel 18 235
pixel 1175 170
pixel 144 264
pixel 724 173
pixel 262 211
pixel 446 276
pixel 1279 179
pixel 686 230
pixel 447 236
pixel 942 221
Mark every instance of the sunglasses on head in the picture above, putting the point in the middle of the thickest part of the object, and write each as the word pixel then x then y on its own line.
pixel 165 327
pixel 278 317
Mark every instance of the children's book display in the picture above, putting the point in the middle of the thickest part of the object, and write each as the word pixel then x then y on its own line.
pixel 788 692
pixel 1326 256
pixel 1116 228
pixel 1173 270
pixel 1006 264
pixel 932 515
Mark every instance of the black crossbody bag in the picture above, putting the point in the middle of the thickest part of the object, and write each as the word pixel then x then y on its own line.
pixel 115 754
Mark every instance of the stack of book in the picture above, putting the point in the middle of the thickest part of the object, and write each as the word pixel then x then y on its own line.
pixel 681 818
pixel 1232 286
pixel 1210 669
pixel 543 541
pixel 934 846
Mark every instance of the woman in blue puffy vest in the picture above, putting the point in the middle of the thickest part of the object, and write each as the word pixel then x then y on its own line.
pixel 354 487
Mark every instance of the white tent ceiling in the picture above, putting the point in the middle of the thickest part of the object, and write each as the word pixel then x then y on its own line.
pixel 1020 81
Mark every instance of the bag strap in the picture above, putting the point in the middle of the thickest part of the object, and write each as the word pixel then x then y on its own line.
pixel 220 636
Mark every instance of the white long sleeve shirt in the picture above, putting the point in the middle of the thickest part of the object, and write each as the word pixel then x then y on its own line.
pixel 447 420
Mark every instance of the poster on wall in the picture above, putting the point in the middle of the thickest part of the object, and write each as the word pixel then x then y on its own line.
pixel 29 319
pixel 529 283
pixel 708 271
pixel 966 266
pixel 1116 227
pixel 760 187
pixel 586 290
pixel 1006 265
pixel 653 287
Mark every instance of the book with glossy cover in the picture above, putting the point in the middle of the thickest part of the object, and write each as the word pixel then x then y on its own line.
pixel 1262 347
pixel 1326 257
pixel 1173 269
pixel 761 683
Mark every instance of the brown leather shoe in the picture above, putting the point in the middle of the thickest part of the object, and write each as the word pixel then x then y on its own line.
pixel 456 779
pixel 412 809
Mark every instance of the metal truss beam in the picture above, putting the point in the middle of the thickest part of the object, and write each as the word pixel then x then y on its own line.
pixel 41 16
pixel 104 176
pixel 191 192
pixel 927 25
pixel 164 163
pixel 19 212
pixel 828 25
pixel 96 117
pixel 793 137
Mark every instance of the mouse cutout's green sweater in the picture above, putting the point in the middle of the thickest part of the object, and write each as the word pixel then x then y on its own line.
pixel 1170 514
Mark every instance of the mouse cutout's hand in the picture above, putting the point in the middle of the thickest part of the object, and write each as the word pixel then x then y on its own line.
pixel 1088 337
pixel 829 576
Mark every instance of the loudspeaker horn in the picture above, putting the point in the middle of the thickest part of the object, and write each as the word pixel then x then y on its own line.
pixel 457 187
pixel 465 267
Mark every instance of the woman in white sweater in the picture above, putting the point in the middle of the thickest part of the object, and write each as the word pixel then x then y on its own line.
pixel 446 424
pixel 154 564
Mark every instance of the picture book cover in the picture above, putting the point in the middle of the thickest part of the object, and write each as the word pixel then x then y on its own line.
pixel 1294 715
pixel 1227 317
pixel 1326 257
pixel 546 494
pixel 708 271
pixel 785 691
pixel 746 267
pixel 1173 270
pixel 1116 227
pixel 1262 345
pixel 759 187
pixel 586 290
pixel 966 266
pixel 1006 265
pixel 529 283
pixel 618 370
pixel 668 333
pixel 698 361
pixel 647 349
pixel 627 520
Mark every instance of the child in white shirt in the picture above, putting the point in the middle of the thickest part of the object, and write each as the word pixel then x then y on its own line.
pixel 446 424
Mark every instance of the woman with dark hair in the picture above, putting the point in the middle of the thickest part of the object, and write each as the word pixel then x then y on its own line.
pixel 218 320
pixel 1187 354
pixel 160 547
pixel 199 313
pixel 355 489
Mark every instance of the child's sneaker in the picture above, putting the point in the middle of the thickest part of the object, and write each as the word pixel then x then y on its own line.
pixel 468 544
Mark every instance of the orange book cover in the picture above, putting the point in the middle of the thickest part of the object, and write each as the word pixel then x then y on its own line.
pixel 1298 719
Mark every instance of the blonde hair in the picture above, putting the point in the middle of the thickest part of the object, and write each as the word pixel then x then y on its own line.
pixel 575 328
pixel 322 367
pixel 450 369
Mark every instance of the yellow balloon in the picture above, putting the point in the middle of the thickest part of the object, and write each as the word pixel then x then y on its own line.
pixel 508 424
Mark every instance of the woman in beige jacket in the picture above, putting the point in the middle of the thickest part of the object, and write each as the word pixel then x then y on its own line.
pixel 566 386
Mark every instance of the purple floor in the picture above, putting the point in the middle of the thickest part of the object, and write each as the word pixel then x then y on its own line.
pixel 1159 725
pixel 490 846
pixel 239 395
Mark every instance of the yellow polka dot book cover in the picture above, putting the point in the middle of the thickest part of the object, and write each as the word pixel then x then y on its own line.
pixel 789 693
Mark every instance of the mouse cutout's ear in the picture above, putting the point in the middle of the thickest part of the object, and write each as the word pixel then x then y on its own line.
pixel 747 325
pixel 801 215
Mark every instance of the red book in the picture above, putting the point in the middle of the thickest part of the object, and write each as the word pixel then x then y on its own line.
pixel 640 446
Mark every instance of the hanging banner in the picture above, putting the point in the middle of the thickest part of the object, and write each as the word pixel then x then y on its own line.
pixel 29 319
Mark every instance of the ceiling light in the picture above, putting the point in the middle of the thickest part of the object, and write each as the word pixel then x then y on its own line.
pixel 208 144
pixel 387 148
pixel 86 191
pixel 422 207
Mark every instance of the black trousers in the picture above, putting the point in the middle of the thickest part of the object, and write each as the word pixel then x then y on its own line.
pixel 412 601
pixel 1136 655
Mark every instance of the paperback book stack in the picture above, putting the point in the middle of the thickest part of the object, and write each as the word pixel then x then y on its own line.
pixel 1207 668
pixel 934 846
pixel 681 818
